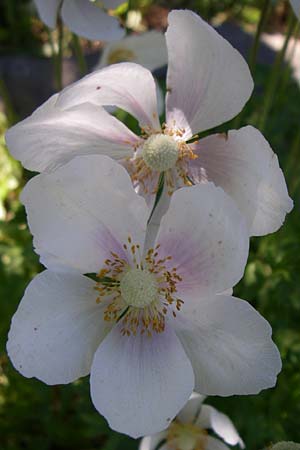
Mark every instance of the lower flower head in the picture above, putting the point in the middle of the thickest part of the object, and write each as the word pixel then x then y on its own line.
pixel 145 353
pixel 160 152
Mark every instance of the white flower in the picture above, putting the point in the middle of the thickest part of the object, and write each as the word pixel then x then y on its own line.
pixel 189 431
pixel 296 7
pixel 152 327
pixel 208 82
pixel 148 49
pixel 82 17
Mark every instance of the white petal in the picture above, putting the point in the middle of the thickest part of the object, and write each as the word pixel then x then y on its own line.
pixel 296 7
pixel 207 238
pixel 220 424
pixel 112 4
pixel 229 345
pixel 83 211
pixel 245 166
pixel 208 81
pixel 51 137
pixel 139 383
pixel 89 21
pixel 57 328
pixel 215 444
pixel 148 49
pixel 192 409
pixel 126 85
pixel 48 10
pixel 151 442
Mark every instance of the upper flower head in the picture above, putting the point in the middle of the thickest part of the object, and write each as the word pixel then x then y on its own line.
pixel 153 323
pixel 190 430
pixel 208 83
pixel 82 17
pixel 286 446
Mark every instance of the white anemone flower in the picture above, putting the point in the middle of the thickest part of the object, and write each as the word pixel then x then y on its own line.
pixel 151 327
pixel 148 49
pixel 83 17
pixel 296 7
pixel 208 83
pixel 189 430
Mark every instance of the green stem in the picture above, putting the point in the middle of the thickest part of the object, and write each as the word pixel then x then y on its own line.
pixel 59 57
pixel 261 26
pixel 9 109
pixel 287 70
pixel 275 75
pixel 265 11
pixel 79 55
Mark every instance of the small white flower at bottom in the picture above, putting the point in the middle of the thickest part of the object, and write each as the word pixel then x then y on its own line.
pixel 190 430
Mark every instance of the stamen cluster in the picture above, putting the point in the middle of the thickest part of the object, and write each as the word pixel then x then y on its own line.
pixel 144 316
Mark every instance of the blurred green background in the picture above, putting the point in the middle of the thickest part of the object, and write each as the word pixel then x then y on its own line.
pixel 34 416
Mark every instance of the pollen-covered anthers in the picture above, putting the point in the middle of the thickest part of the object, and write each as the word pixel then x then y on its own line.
pixel 186 436
pixel 109 277
pixel 167 280
pixel 141 174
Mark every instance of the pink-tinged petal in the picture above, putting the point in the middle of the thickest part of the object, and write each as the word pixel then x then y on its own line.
pixel 229 345
pixel 215 444
pixel 139 383
pixel 206 236
pixel 152 442
pixel 48 10
pixel 51 137
pixel 296 7
pixel 191 411
pixel 126 85
pixel 82 212
pixel 90 21
pixel 210 417
pixel 244 165
pixel 57 328
pixel 208 81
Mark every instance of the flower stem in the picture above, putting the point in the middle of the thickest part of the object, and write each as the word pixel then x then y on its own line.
pixel 79 55
pixel 58 61
pixel 266 8
pixel 275 75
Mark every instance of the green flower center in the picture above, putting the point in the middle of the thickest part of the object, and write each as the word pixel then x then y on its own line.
pixel 139 288
pixel 160 152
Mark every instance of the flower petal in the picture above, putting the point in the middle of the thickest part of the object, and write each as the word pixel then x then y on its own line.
pixel 192 409
pixel 209 83
pixel 51 137
pixel 215 444
pixel 151 442
pixel 229 345
pixel 57 328
pixel 139 383
pixel 82 212
pixel 90 21
pixel 207 238
pixel 112 4
pixel 245 166
pixel 296 7
pixel 210 417
pixel 48 10
pixel 148 49
pixel 126 85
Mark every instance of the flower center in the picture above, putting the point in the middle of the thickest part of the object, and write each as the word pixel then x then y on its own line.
pixel 139 288
pixel 120 55
pixel 160 152
pixel 139 291
pixel 186 436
